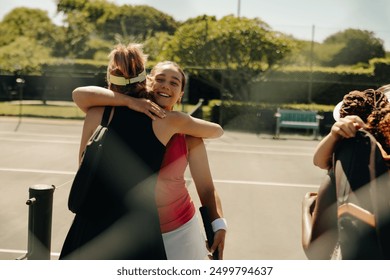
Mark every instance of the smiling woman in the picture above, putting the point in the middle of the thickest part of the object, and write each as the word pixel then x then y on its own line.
pixel 167 81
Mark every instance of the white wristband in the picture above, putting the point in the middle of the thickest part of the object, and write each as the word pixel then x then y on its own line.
pixel 218 224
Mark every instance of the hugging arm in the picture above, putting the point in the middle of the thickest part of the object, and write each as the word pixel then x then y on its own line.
pixel 201 174
pixel 94 96
pixel 343 128
pixel 319 221
pixel 185 124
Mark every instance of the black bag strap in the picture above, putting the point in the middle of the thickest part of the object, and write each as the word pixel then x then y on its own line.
pixel 106 115
pixel 352 170
pixel 380 196
pixel 370 166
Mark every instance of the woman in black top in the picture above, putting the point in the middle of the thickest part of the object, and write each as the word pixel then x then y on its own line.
pixel 119 220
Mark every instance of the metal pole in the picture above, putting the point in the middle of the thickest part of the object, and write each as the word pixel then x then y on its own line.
pixel 40 204
pixel 309 98
pixel 222 99
pixel 20 84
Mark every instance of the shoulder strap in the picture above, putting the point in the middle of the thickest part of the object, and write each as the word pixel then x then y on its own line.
pixel 352 170
pixel 367 164
pixel 106 115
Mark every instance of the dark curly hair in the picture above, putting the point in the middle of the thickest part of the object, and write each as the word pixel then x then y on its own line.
pixel 378 124
pixel 363 103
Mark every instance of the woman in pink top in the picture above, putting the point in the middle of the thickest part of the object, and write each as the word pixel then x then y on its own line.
pixel 182 234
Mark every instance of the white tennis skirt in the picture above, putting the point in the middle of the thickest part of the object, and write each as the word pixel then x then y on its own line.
pixel 186 242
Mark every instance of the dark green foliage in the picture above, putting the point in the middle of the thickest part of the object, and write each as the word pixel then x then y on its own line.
pixel 355 46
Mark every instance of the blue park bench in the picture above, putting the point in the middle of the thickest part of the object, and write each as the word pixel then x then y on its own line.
pixel 297 119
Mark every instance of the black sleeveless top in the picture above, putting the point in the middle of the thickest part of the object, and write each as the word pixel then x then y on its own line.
pixel 120 217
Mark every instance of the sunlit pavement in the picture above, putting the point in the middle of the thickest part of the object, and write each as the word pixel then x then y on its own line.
pixel 261 182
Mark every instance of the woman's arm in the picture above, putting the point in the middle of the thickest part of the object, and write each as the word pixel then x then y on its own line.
pixel 93 96
pixel 178 122
pixel 343 128
pixel 308 205
pixel 91 122
pixel 319 221
pixel 201 174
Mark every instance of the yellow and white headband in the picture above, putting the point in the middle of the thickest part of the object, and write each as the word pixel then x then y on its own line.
pixel 122 81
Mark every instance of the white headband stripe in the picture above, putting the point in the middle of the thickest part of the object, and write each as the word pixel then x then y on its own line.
pixel 122 81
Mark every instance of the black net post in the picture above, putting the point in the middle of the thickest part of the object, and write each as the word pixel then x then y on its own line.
pixel 40 204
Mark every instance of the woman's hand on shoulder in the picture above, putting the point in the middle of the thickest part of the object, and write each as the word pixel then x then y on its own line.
pixel 93 96
pixel 147 107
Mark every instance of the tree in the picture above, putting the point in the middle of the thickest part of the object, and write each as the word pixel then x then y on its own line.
pixel 139 22
pixel 155 46
pixel 353 46
pixel 23 55
pixel 80 18
pixel 77 34
pixel 30 23
pixel 239 48
pixel 91 20
pixel 27 38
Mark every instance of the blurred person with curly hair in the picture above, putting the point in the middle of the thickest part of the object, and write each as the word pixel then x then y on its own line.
pixel 350 114
pixel 367 109
pixel 378 124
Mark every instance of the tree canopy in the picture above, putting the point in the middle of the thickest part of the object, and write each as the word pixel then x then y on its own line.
pixel 243 48
pixel 26 22
pixel 230 42
pixel 27 38
pixel 353 46
pixel 236 44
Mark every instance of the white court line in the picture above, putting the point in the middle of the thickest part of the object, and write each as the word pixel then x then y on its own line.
pixel 258 152
pixel 40 141
pixel 216 143
pixel 258 183
pixel 11 251
pixel 269 184
pixel 244 182
pixel 25 170
pixel 40 134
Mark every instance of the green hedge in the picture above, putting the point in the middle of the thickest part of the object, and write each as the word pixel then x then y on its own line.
pixel 259 117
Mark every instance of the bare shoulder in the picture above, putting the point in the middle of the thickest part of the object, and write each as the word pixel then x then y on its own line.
pixel 177 117
pixel 94 117
pixel 193 141
pixel 94 114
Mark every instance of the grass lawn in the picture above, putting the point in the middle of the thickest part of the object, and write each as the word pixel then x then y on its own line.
pixel 52 109
pixel 66 110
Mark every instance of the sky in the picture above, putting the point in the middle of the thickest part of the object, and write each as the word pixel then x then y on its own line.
pixel 303 19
